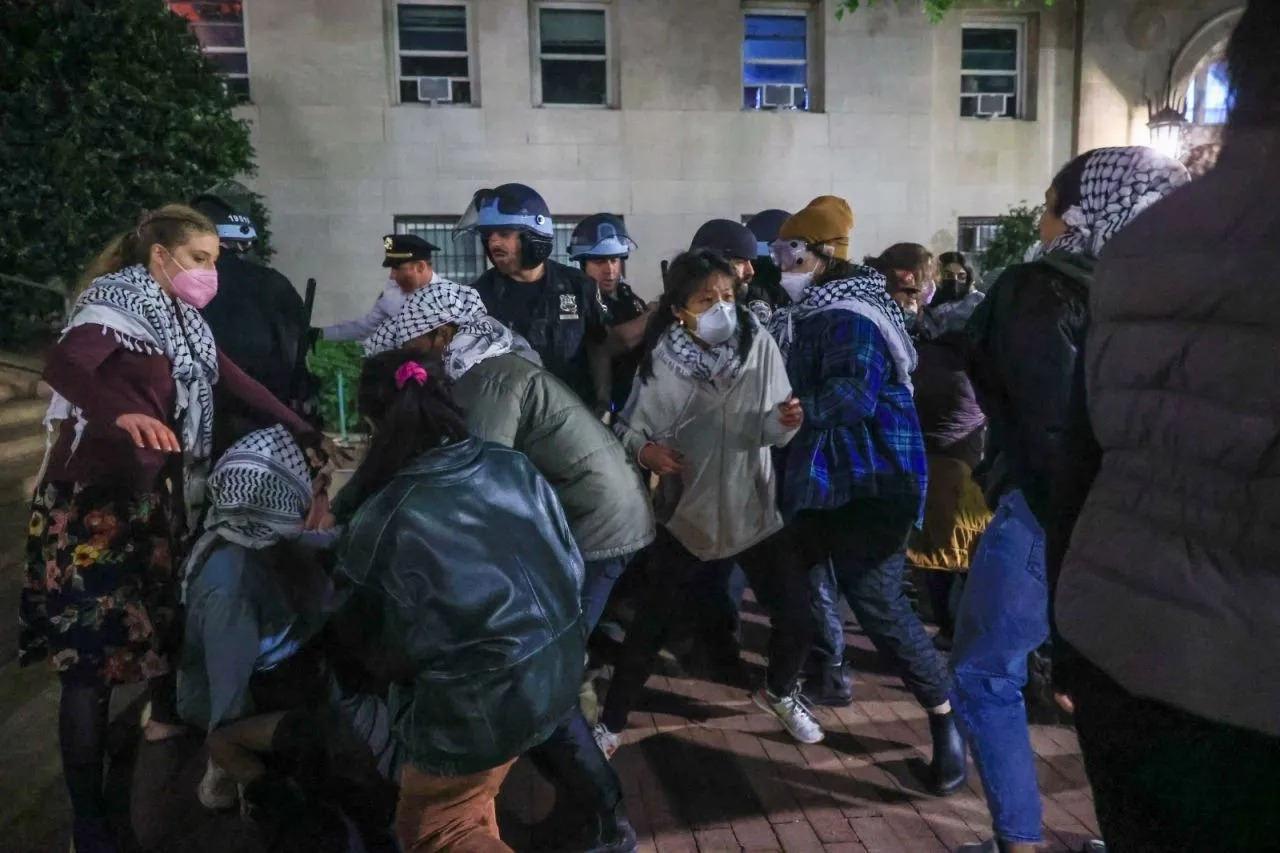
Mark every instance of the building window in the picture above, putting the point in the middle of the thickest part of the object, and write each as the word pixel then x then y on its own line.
pixel 976 234
pixel 1209 94
pixel 992 70
pixel 219 27
pixel 775 61
pixel 572 42
pixel 460 260
pixel 433 53
pixel 563 227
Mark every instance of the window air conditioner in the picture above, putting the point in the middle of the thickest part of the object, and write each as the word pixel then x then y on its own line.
pixel 781 96
pixel 435 90
pixel 992 105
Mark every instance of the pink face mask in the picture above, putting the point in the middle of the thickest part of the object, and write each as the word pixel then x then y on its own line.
pixel 195 287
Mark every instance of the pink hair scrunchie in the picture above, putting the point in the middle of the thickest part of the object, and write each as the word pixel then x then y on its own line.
pixel 410 370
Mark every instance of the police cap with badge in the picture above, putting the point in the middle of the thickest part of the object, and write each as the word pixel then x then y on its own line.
pixel 403 248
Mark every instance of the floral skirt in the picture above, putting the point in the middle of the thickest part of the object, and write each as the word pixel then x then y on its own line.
pixel 100 599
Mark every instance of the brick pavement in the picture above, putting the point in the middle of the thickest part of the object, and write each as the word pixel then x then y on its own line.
pixel 704 770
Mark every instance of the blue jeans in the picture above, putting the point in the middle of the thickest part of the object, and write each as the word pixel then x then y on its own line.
pixel 598 580
pixel 1004 616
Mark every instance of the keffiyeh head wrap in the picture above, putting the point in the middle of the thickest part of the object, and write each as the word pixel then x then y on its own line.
pixel 258 493
pixel 479 336
pixel 1116 185
pixel 866 293
pixel 143 318
pixel 424 311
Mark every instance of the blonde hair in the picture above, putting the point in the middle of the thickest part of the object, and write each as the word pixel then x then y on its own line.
pixel 170 226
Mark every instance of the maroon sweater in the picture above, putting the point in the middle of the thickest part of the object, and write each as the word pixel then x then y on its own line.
pixel 100 375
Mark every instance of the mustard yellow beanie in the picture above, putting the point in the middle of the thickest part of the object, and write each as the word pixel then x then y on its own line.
pixel 827 219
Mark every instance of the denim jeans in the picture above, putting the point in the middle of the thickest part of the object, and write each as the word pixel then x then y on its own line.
pixel 1004 616
pixel 828 632
pixel 599 579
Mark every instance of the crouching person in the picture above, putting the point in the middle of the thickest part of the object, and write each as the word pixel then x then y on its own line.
pixel 466 551
pixel 252 673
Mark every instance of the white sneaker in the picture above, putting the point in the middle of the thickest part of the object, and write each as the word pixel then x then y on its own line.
pixel 792 713
pixel 606 740
pixel 217 791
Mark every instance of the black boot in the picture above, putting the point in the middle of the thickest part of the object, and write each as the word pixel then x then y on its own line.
pixel 608 833
pixel 947 771
pixel 832 688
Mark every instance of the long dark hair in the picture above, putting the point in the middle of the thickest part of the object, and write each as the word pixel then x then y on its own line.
pixel 904 257
pixel 971 283
pixel 1254 68
pixel 685 277
pixel 407 421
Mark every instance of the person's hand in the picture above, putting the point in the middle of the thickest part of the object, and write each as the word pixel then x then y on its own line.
pixel 320 517
pixel 327 455
pixel 147 432
pixel 791 414
pixel 1064 702
pixel 661 459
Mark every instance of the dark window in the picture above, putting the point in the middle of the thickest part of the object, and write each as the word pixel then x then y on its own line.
pixel 775 62
pixel 433 42
pixel 991 71
pixel 976 234
pixel 563 228
pixel 219 27
pixel 573 56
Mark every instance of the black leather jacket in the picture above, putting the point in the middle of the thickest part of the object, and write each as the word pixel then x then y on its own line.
pixel 1027 341
pixel 468 553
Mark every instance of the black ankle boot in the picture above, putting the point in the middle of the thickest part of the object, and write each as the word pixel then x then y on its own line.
pixel 608 833
pixel 832 688
pixel 947 771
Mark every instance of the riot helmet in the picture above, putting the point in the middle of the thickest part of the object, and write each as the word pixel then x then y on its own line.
pixel 516 207
pixel 602 235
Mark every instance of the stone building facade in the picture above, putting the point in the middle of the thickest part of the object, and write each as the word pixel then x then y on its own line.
pixel 346 154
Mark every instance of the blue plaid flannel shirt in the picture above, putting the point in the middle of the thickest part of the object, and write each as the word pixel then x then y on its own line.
pixel 861 436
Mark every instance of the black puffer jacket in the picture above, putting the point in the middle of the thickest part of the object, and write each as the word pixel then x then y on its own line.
pixel 1027 339
pixel 469 554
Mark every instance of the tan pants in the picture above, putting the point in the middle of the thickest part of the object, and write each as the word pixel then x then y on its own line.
pixel 449 813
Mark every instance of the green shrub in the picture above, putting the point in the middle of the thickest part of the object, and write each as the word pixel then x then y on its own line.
pixel 326 362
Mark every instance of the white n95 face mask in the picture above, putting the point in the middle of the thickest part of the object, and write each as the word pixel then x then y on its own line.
pixel 794 283
pixel 717 324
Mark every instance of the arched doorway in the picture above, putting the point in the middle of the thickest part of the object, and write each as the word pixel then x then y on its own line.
pixel 1199 80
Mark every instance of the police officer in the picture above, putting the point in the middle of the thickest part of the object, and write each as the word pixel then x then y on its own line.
pixel 733 240
pixel 408 257
pixel 257 319
pixel 555 307
pixel 601 245
pixel 765 293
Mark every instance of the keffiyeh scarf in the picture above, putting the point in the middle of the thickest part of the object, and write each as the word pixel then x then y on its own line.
pixel 678 350
pixel 865 294
pixel 258 493
pixel 144 319
pixel 481 339
pixel 424 311
pixel 1116 185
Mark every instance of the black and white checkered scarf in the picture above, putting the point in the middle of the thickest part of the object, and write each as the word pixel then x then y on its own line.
pixel 1116 185
pixel 258 494
pixel 479 336
pixel 678 350
pixel 865 293
pixel 143 318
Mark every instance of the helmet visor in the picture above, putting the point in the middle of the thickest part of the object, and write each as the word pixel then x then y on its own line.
pixel 488 210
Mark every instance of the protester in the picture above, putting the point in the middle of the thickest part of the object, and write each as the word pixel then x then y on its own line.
pixel 1027 339
pixel 710 372
pixel 556 308
pixel 954 427
pixel 510 400
pixel 956 279
pixel 765 293
pixel 486 669
pixel 1170 586
pixel 123 484
pixel 735 243
pixel 252 673
pixel 855 474
pixel 408 256
pixel 256 318
pixel 601 245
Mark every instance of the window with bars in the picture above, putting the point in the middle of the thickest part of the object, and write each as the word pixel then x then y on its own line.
pixel 992 70
pixel 219 27
pixel 775 61
pixel 573 54
pixel 976 234
pixel 460 260
pixel 563 227
pixel 433 42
